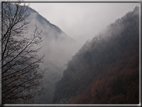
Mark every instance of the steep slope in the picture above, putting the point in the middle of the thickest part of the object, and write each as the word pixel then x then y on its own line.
pixel 48 29
pixel 106 69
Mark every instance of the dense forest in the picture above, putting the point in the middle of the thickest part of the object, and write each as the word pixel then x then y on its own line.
pixel 106 69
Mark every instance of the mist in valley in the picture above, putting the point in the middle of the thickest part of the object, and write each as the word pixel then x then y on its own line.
pixel 68 30
pixel 57 48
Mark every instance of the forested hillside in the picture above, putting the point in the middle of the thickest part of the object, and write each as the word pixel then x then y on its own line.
pixel 106 69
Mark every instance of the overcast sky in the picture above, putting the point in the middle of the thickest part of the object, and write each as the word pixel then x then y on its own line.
pixel 82 20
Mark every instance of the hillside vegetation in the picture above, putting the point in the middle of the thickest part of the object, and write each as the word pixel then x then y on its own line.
pixel 106 69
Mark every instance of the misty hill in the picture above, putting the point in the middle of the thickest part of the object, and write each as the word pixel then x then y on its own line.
pixel 55 42
pixel 57 48
pixel 106 69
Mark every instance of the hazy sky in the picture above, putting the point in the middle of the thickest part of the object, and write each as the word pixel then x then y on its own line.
pixel 82 19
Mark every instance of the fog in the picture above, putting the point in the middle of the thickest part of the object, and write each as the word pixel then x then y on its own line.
pixel 57 48
pixel 79 22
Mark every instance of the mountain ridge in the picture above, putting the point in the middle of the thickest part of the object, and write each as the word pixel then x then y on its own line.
pixel 106 69
pixel 43 20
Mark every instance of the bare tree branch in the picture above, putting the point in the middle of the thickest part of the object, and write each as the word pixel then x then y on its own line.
pixel 20 61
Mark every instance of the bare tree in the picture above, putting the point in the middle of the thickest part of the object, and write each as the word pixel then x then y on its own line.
pixel 20 61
